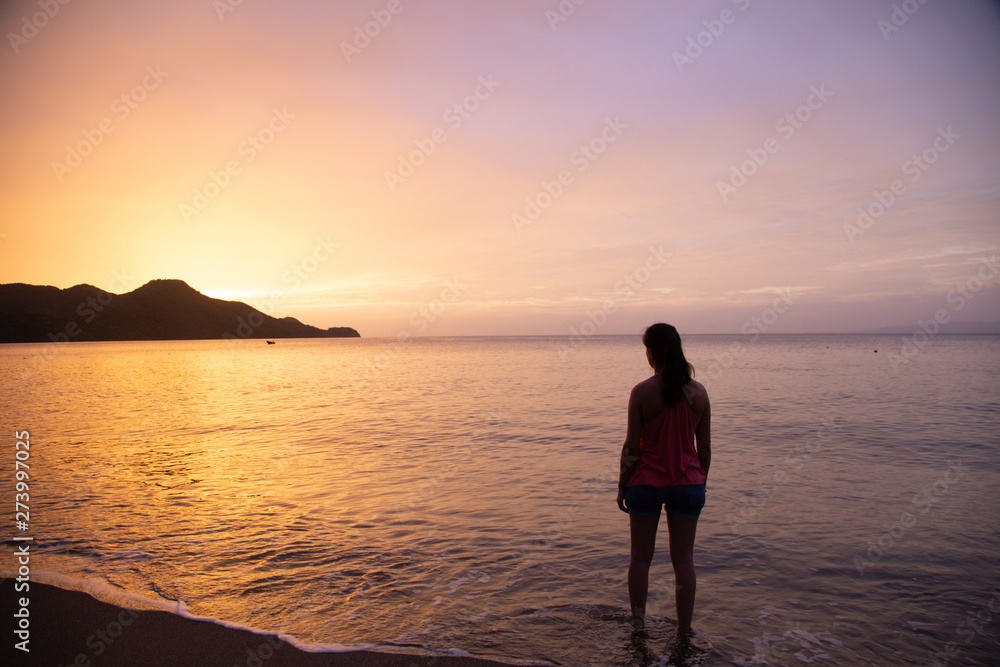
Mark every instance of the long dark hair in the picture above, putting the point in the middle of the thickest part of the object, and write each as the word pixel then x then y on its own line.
pixel 664 344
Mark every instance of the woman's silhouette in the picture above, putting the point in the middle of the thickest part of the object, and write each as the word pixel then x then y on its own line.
pixel 665 462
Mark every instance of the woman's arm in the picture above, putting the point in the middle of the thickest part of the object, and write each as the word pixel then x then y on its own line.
pixel 630 450
pixel 703 432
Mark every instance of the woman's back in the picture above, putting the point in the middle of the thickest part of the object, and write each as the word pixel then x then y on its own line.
pixel 668 455
pixel 649 394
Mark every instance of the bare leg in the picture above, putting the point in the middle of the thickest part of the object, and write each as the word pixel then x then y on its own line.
pixel 682 557
pixel 643 529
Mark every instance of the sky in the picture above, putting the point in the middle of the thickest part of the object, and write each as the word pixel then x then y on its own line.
pixel 509 167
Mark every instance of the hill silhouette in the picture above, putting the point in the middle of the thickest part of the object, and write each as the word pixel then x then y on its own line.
pixel 159 310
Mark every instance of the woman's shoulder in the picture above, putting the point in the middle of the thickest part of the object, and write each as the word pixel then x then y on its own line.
pixel 647 389
pixel 650 384
pixel 697 396
pixel 696 388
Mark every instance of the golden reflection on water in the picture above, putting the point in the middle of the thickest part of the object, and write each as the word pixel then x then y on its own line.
pixel 468 485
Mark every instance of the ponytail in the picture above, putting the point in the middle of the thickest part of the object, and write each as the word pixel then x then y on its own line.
pixel 664 344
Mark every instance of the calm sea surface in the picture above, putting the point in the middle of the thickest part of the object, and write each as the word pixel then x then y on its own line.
pixel 459 493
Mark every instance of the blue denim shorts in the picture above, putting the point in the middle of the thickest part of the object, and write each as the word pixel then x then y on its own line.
pixel 684 501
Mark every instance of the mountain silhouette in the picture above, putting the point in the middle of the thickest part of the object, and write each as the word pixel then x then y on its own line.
pixel 159 310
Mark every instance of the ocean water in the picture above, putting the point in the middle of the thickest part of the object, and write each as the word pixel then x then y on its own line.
pixel 458 494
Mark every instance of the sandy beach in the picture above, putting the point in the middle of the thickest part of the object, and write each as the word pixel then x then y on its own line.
pixel 73 628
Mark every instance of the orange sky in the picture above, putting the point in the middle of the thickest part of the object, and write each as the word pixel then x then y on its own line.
pixel 270 154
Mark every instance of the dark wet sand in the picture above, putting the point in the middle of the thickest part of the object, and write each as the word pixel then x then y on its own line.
pixel 72 628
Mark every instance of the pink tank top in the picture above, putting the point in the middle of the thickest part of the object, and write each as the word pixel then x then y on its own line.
pixel 667 452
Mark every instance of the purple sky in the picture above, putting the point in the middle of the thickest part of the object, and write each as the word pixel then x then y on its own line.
pixel 507 169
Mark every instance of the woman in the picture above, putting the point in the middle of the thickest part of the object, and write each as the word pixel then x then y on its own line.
pixel 662 466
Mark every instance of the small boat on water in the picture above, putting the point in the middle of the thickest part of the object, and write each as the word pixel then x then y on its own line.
pixel 270 342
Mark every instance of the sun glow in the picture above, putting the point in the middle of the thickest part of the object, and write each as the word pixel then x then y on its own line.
pixel 251 160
